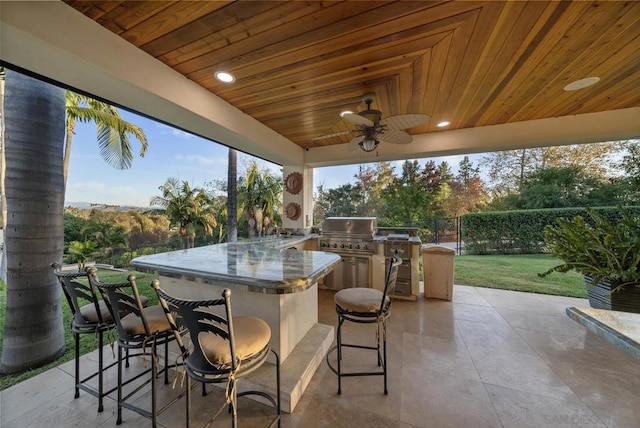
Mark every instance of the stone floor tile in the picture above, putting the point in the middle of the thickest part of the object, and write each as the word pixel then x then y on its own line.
pixel 525 410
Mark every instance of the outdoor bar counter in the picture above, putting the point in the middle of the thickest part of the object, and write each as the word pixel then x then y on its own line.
pixel 268 279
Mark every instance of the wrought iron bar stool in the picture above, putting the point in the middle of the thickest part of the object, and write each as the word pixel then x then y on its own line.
pixel 223 348
pixel 368 306
pixel 90 316
pixel 140 329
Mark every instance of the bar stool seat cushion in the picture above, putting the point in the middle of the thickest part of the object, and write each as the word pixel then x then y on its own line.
pixel 156 319
pixel 89 313
pixel 359 299
pixel 251 335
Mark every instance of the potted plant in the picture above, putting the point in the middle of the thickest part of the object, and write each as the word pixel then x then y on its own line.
pixel 607 254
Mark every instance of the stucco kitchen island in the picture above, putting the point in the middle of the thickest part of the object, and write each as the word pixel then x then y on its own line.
pixel 268 279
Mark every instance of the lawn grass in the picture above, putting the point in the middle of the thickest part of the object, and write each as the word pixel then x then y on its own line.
pixel 87 342
pixel 519 273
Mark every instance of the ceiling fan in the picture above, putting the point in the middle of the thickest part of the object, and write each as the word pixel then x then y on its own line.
pixel 373 129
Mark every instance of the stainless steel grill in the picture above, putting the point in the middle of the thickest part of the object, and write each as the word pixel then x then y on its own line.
pixel 349 235
pixel 353 239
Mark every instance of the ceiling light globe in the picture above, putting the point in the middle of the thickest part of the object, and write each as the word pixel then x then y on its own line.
pixel 369 145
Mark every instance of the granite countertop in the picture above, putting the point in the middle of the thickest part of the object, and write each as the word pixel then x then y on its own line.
pixel 266 265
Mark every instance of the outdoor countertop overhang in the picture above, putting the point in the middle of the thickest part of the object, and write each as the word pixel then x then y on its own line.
pixel 267 265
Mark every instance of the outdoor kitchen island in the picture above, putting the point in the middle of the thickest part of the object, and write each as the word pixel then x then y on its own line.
pixel 269 279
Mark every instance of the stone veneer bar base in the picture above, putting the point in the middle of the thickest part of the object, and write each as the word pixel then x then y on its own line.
pixel 296 371
pixel 622 329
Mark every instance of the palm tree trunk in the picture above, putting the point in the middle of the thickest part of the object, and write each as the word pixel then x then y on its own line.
pixel 232 196
pixel 69 131
pixel 3 199
pixel 33 330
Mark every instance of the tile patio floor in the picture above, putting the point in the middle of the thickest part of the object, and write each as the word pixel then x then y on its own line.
pixel 490 358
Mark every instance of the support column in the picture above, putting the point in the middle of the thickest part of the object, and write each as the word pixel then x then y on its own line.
pixel 298 198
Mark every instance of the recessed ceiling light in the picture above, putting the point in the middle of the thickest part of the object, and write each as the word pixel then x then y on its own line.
pixel 342 114
pixel 225 77
pixel 443 124
pixel 582 83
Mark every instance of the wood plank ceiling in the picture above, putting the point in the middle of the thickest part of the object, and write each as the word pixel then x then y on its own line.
pixel 298 64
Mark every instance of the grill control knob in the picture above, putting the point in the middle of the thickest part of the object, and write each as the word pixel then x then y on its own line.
pixel 350 246
pixel 365 247
pixel 341 245
pixel 357 246
pixel 335 245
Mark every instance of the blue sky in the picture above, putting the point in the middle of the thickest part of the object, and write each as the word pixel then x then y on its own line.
pixel 171 153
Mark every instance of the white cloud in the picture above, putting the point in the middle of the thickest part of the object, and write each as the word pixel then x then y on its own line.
pixel 166 130
pixel 180 134
pixel 202 160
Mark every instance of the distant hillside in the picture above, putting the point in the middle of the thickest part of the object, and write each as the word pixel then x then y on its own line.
pixel 105 207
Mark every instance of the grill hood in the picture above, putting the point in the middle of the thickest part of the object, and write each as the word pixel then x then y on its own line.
pixel 350 226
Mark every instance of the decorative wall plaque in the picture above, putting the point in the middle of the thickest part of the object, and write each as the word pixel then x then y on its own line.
pixel 292 211
pixel 293 183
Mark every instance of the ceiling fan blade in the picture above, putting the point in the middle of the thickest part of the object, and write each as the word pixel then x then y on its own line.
pixel 356 119
pixel 405 121
pixel 395 136
pixel 335 134
pixel 353 144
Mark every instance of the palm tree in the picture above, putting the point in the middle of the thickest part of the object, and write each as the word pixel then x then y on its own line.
pixel 187 208
pixel 113 138
pixel 34 187
pixel 107 236
pixel 82 251
pixel 3 200
pixel 232 196
pixel 113 131
pixel 259 194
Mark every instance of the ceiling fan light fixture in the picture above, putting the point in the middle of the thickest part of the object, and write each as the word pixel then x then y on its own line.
pixel 443 124
pixel 369 144
pixel 224 76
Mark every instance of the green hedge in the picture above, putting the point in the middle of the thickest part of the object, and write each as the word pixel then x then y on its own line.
pixel 518 232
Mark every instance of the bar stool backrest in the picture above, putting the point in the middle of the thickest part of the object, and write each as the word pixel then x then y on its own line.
pixel 123 299
pixel 78 295
pixel 390 284
pixel 202 316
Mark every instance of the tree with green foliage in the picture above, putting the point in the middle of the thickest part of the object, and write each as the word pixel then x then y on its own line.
pixel 371 182
pixel 188 208
pixel 408 200
pixel 509 169
pixel 468 193
pixel 343 201
pixel 83 251
pixel 113 131
pixel 556 187
pixel 107 236
pixel 259 193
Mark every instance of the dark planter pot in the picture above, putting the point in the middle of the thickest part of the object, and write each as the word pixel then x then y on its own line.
pixel 601 297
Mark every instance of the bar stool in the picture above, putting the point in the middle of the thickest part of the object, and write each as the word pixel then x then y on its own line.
pixel 92 317
pixel 366 306
pixel 139 328
pixel 223 348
